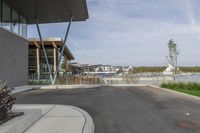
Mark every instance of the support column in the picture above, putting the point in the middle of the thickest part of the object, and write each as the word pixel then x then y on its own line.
pixel 54 60
pixel 62 49
pixel 38 62
pixel 44 50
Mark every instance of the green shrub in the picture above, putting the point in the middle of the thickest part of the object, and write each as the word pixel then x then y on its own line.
pixel 185 86
pixel 189 88
pixel 6 100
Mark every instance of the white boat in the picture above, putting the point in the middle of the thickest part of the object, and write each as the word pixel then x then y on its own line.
pixel 169 70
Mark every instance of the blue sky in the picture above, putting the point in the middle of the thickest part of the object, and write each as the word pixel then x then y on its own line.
pixel 133 32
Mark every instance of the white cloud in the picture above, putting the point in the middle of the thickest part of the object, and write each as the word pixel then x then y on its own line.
pixel 135 32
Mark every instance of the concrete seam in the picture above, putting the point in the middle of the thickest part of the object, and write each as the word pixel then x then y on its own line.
pixel 79 110
pixel 84 120
pixel 39 119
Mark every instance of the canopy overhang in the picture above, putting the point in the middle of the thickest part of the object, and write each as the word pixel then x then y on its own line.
pixel 50 11
pixel 54 42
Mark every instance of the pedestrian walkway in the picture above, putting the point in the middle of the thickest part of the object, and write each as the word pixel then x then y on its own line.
pixel 60 119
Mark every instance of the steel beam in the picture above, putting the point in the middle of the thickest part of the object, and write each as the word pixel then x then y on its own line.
pixel 44 50
pixel 62 50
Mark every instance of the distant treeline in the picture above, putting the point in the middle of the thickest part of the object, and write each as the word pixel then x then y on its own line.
pixel 190 69
pixel 161 69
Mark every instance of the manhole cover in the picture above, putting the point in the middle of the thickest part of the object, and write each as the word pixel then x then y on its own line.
pixel 187 124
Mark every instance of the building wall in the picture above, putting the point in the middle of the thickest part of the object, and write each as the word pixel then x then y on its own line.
pixel 13 59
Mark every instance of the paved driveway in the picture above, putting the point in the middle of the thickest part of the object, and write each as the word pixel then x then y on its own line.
pixel 126 109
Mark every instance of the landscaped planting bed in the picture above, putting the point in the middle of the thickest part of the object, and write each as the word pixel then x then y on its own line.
pixel 6 103
pixel 188 88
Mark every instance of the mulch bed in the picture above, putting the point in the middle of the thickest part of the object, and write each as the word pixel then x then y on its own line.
pixel 10 116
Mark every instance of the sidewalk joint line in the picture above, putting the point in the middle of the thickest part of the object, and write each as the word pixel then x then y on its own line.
pixel 39 119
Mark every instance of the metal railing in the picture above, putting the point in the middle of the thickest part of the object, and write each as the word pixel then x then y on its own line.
pixel 152 78
pixel 140 78
pixel 68 80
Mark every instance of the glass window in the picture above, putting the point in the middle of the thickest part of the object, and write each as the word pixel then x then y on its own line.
pixel 23 27
pixel 0 12
pixel 12 20
pixel 15 22
pixel 6 16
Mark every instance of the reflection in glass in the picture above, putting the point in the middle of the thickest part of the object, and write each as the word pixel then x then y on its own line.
pixel 23 27
pixel 15 22
pixel 6 17
pixel 0 13
pixel 12 20
pixel 44 72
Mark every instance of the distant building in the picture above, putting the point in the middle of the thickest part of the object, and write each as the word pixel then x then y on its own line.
pixel 103 70
pixel 37 66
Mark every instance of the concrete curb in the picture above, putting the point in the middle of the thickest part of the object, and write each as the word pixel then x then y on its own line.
pixel 30 87
pixel 66 86
pixel 176 92
pixel 39 112
pixel 116 85
pixel 89 124
pixel 20 89
pixel 88 127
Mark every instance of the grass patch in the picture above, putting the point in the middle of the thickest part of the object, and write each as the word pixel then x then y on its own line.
pixel 188 88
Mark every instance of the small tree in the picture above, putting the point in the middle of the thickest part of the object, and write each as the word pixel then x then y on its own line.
pixel 64 64
pixel 172 58
pixel 173 54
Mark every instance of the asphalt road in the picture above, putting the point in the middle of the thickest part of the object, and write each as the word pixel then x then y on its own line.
pixel 126 109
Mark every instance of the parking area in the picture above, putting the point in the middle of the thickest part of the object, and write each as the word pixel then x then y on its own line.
pixel 125 109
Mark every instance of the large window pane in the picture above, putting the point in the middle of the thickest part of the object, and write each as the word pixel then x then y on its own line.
pixel 6 17
pixel 12 20
pixel 23 27
pixel 15 22
pixel 0 12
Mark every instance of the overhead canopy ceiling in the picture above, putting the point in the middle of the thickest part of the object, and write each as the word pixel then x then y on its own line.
pixel 50 11
pixel 53 42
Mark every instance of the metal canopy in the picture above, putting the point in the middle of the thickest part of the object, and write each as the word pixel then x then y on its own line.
pixel 50 11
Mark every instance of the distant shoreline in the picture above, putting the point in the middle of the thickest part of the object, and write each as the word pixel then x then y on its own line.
pixel 183 69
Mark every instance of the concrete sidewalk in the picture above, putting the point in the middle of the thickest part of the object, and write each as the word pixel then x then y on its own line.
pixel 30 87
pixel 59 119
